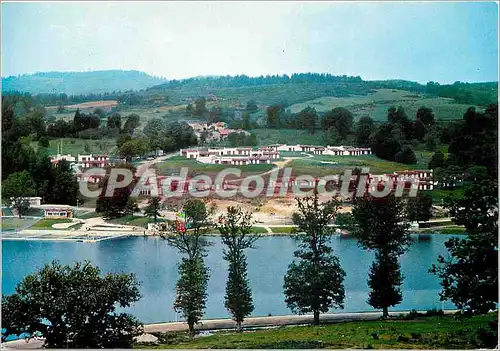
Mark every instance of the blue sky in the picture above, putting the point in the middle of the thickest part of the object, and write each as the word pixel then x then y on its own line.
pixel 442 42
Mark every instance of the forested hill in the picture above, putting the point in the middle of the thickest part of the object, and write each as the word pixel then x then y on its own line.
pixel 80 83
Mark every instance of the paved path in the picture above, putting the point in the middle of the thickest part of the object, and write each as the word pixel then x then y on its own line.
pixel 215 324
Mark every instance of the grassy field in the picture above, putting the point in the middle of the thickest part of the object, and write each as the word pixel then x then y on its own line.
pixel 376 105
pixel 440 332
pixel 319 166
pixel 47 223
pixel 76 146
pixel 259 230
pixel 282 230
pixel 138 221
pixel 89 215
pixel 439 195
pixel 177 162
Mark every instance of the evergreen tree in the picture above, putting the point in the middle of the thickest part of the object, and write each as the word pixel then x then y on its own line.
pixel 419 208
pixel 187 237
pixel 153 208
pixel 235 228
pixel 191 290
pixel 316 282
pixel 384 280
pixel 381 225
pixel 437 160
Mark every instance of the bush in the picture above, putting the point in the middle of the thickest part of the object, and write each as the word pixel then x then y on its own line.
pixel 434 312
pixel 403 338
pixel 411 315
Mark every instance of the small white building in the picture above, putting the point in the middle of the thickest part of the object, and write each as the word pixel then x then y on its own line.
pixel 90 161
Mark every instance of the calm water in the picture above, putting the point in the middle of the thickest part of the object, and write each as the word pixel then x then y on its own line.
pixel 154 263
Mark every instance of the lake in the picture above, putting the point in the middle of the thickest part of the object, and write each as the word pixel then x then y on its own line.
pixel 154 264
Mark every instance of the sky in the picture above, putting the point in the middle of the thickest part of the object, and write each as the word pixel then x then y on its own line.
pixel 418 41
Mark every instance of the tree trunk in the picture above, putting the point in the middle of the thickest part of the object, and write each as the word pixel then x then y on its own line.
pixel 191 329
pixel 238 326
pixel 316 318
pixel 385 313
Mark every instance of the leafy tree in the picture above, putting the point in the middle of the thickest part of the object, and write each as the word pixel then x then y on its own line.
pixel 419 130
pixel 384 281
pixel 431 141
pixel 101 113
pixel 308 118
pixel 155 131
pixel 477 174
pixel 235 229
pixel 383 144
pixel 426 116
pixel 193 275
pixel 64 187
pixel 364 129
pixel 339 118
pixel 131 123
pixel 406 155
pixel 114 121
pixel 251 106
pixel 419 208
pixel 191 290
pixel 469 278
pixel 116 205
pixel 241 139
pixel 246 121
pixel 153 208
pixel 16 188
pixel 274 115
pixel 437 160
pixel 315 283
pixel 200 108
pixel 131 207
pixel 73 307
pixel 381 225
pixel 398 117
pixel 43 142
pixel 475 142
pixel 134 147
pixel 122 139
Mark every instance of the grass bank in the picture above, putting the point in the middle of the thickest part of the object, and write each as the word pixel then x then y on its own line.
pixel 438 332
pixel 47 223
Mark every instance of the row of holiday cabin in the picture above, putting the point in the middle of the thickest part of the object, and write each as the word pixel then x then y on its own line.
pixel 403 180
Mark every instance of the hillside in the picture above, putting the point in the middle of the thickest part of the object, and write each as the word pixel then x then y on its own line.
pixel 77 83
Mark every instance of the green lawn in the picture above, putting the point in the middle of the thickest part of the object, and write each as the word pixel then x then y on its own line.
pixel 76 146
pixel 439 195
pixel 89 215
pixel 259 230
pixel 194 167
pixel 320 166
pixel 138 221
pixel 47 223
pixel 441 332
pixel 282 230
